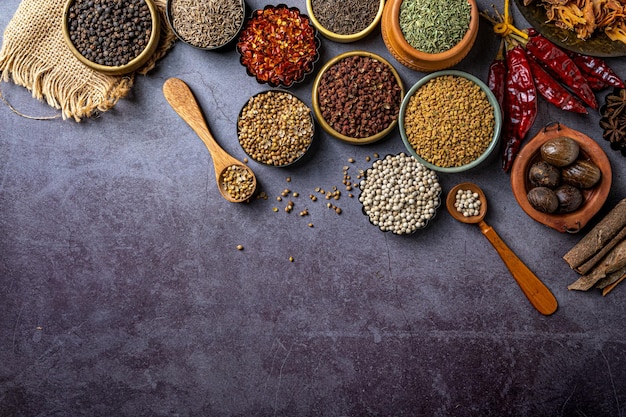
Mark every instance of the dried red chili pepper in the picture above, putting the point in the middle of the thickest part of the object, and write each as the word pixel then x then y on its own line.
pixel 596 67
pixel 553 91
pixel 496 77
pixel 520 101
pixel 596 84
pixel 562 67
pixel 278 45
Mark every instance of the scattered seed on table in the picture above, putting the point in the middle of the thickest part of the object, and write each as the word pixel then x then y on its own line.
pixel 239 247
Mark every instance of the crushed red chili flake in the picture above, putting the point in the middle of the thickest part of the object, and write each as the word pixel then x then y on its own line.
pixel 278 45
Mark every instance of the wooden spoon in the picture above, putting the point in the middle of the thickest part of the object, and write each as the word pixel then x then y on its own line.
pixel 537 293
pixel 182 100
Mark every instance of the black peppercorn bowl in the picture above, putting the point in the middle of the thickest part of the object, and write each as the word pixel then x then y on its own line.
pixel 345 38
pixel 317 105
pixel 255 43
pixel 224 46
pixel 144 54
pixel 276 128
pixel 429 206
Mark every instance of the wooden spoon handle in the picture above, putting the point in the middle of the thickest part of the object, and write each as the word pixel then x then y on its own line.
pixel 182 100
pixel 537 293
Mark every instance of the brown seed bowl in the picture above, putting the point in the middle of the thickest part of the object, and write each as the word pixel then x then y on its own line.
pixel 228 45
pixel 318 112
pixel 353 37
pixel 593 198
pixel 495 139
pixel 282 83
pixel 298 158
pixel 133 64
pixel 417 60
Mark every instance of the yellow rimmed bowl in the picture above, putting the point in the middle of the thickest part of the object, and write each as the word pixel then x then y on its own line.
pixel 318 106
pixel 339 37
pixel 132 65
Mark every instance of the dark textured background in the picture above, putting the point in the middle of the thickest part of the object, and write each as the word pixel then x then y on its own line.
pixel 123 293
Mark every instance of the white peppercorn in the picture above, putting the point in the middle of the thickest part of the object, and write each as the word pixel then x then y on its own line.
pixel 467 203
pixel 399 194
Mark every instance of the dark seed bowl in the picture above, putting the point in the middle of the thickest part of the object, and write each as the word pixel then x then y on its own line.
pixel 435 207
pixel 317 106
pixel 271 76
pixel 229 44
pixel 132 65
pixel 289 159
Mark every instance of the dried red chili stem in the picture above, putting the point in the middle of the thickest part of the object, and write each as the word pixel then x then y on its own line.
pixel 561 66
pixel 496 77
pixel 520 102
pixel 553 91
pixel 596 67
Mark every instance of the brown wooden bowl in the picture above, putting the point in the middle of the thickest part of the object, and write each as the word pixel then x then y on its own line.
pixel 417 60
pixel 593 198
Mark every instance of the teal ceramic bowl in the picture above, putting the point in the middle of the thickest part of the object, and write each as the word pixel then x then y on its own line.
pixel 494 140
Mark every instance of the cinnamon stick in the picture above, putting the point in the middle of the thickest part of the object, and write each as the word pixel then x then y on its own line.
pixel 609 288
pixel 599 241
pixel 614 261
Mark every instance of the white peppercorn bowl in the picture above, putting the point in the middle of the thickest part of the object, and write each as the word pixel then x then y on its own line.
pixel 297 160
pixel 228 45
pixel 134 64
pixel 436 198
pixel 318 111
pixel 336 37
pixel 493 144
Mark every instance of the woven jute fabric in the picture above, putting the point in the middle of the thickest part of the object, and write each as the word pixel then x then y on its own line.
pixel 34 55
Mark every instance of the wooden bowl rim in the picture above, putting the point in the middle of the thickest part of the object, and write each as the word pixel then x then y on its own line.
pixel 594 197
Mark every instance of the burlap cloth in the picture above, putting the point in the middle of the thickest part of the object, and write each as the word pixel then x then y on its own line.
pixel 34 55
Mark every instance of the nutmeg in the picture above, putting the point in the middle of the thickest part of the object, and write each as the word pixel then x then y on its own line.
pixel 543 199
pixel 581 174
pixel 560 151
pixel 570 198
pixel 543 174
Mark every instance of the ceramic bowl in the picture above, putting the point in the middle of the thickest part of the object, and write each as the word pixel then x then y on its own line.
pixel 256 43
pixel 495 138
pixel 593 198
pixel 133 64
pixel 226 45
pixel 344 38
pixel 318 111
pixel 417 60
pixel 401 157
pixel 275 144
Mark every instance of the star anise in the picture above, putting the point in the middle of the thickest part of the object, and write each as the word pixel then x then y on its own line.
pixel 614 129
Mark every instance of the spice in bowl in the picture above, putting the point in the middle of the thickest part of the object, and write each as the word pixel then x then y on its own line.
pixel 275 128
pixel 449 121
pixel 206 24
pixel 109 33
pixel 278 45
pixel 434 26
pixel 399 194
pixel 357 97
pixel 345 17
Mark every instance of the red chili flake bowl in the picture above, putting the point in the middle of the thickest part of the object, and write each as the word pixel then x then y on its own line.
pixel 279 46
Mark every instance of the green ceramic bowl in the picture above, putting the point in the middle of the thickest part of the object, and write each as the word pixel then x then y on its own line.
pixel 493 145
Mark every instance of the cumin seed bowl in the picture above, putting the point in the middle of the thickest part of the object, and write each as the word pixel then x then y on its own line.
pixel 142 38
pixel 217 30
pixel 334 112
pixel 276 128
pixel 450 121
pixel 416 59
pixel 330 30
pixel 278 45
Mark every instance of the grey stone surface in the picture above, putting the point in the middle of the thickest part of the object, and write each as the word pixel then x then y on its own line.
pixel 123 293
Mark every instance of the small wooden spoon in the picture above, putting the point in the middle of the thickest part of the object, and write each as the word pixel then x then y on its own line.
pixel 537 293
pixel 182 100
